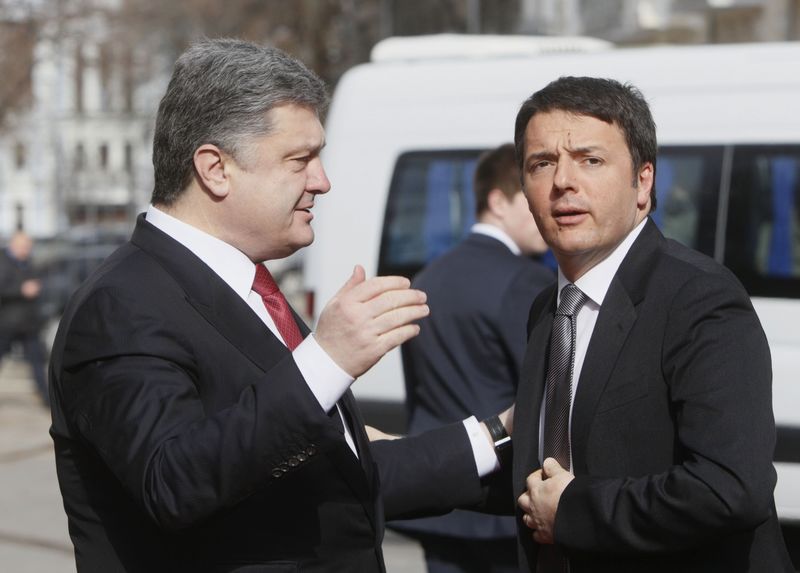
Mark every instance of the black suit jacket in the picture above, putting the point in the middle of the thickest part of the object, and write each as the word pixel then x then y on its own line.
pixel 672 426
pixel 467 358
pixel 187 440
pixel 19 315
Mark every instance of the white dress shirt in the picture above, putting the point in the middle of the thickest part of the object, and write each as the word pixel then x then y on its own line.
pixel 326 380
pixel 594 284
pixel 496 233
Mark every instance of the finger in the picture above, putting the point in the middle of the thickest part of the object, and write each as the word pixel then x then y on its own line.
pixel 551 467
pixel 524 502
pixel 399 317
pixel 393 299
pixel 397 336
pixel 529 522
pixel 370 288
pixel 354 280
pixel 534 479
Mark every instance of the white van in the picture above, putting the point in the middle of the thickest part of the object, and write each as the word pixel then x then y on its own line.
pixel 404 132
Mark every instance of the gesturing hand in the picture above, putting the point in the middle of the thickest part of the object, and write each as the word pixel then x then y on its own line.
pixel 540 502
pixel 367 318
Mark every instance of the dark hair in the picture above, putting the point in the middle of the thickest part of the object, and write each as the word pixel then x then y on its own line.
pixel 220 93
pixel 496 169
pixel 608 100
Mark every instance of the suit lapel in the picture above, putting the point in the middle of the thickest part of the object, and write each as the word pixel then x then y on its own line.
pixel 614 323
pixel 358 472
pixel 237 322
pixel 530 392
pixel 211 296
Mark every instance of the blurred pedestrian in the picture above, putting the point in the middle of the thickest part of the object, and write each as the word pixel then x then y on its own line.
pixel 21 320
pixel 467 358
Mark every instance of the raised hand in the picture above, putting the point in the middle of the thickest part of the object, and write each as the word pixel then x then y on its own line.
pixel 367 318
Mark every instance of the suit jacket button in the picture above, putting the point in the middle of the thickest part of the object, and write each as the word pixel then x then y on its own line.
pixel 311 450
pixel 301 457
pixel 277 472
pixel 294 462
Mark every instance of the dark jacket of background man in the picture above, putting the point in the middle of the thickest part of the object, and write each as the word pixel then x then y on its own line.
pixel 468 355
pixel 21 319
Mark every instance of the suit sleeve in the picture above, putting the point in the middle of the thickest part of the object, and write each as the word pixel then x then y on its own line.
pixel 716 363
pixel 129 386
pixel 428 474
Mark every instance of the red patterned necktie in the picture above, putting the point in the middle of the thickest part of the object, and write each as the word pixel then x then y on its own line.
pixel 277 307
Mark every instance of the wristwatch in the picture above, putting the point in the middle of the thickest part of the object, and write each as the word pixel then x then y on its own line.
pixel 501 440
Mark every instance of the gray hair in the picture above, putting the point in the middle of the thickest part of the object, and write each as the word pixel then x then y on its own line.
pixel 220 93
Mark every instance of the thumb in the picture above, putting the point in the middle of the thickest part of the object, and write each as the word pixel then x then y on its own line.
pixel 551 467
pixel 358 277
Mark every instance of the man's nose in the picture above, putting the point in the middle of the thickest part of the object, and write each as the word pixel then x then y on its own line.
pixel 564 176
pixel 317 181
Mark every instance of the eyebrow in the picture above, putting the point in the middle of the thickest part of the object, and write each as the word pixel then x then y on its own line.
pixel 585 150
pixel 306 149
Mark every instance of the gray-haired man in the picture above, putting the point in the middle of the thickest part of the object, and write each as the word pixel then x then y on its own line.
pixel 197 424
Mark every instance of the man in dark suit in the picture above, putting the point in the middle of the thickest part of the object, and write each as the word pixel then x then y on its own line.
pixel 467 358
pixel 198 426
pixel 21 320
pixel 647 388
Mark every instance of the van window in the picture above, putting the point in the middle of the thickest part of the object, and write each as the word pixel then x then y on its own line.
pixel 431 204
pixel 430 208
pixel 687 190
pixel 763 229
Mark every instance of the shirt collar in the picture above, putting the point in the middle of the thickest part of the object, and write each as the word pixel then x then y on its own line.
pixel 496 233
pixel 597 280
pixel 232 265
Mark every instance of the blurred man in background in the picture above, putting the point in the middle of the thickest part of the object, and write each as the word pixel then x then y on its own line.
pixel 467 359
pixel 20 317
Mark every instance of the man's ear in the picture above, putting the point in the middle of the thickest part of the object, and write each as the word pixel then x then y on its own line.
pixel 497 203
pixel 212 167
pixel 645 181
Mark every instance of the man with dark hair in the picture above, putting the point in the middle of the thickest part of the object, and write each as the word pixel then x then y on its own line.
pixel 646 439
pixel 466 360
pixel 198 425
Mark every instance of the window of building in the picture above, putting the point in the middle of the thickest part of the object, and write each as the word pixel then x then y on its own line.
pixel 128 157
pixel 79 161
pixel 20 155
pixel 80 67
pixel 103 156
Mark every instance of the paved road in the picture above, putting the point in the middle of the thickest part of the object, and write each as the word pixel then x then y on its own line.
pixel 33 527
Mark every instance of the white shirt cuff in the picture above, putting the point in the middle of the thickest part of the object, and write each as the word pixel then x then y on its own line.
pixel 325 379
pixel 485 459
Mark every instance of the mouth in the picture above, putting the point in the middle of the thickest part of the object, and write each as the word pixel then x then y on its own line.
pixel 569 215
